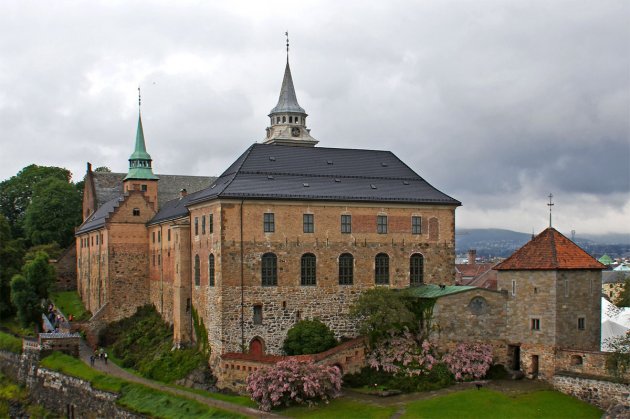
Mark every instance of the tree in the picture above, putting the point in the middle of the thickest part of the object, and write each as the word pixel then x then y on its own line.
pixel 54 212
pixel 624 297
pixel 309 337
pixel 381 311
pixel 11 254
pixel 40 274
pixel 16 192
pixel 618 361
pixel 24 297
pixel 103 169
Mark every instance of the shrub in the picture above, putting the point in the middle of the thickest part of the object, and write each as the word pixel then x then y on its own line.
pixel 292 382
pixel 497 372
pixel 469 360
pixel 309 337
pixel 403 353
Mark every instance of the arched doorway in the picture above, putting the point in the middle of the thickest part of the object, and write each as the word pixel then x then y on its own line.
pixel 257 347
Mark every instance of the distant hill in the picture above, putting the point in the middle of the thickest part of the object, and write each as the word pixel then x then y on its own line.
pixel 496 242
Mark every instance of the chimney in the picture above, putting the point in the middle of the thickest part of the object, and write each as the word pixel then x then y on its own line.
pixel 89 166
pixel 472 255
pixel 182 193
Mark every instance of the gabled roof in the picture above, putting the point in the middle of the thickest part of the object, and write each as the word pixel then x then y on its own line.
pixel 268 171
pixel 549 251
pixel 97 220
pixel 108 186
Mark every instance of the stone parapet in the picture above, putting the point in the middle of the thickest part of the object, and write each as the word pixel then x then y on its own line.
pixel 602 394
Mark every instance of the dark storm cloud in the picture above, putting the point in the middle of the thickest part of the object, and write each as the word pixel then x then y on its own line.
pixel 496 103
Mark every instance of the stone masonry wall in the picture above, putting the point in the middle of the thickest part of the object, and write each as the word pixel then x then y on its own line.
pixel 602 394
pixel 66 270
pixel 286 303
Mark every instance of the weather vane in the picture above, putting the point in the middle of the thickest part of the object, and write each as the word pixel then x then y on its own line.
pixel 550 204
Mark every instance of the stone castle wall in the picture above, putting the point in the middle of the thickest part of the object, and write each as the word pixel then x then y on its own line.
pixel 603 394
pixel 229 309
pixel 66 270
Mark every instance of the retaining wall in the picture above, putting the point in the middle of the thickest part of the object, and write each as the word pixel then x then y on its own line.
pixel 603 394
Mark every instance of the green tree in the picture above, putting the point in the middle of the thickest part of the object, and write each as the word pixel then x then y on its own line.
pixel 618 361
pixel 103 169
pixel 24 297
pixel 40 274
pixel 16 192
pixel 54 212
pixel 381 310
pixel 309 337
pixel 624 297
pixel 11 254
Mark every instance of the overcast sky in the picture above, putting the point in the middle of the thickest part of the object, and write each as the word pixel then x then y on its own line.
pixel 496 103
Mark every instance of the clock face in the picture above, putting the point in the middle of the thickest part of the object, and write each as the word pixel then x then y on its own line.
pixel 295 131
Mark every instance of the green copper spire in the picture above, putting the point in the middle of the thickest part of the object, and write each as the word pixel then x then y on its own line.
pixel 140 160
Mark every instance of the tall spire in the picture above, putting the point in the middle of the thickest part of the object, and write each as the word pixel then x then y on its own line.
pixel 140 160
pixel 288 118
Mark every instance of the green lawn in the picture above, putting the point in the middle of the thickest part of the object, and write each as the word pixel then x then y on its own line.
pixel 340 408
pixel 70 303
pixel 10 343
pixel 488 404
pixel 12 325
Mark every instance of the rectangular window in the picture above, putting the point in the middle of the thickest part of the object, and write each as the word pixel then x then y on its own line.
pixel 153 237
pixel 203 224
pixel 513 287
pixel 269 226
pixel 97 240
pixel 381 224
pixel 159 236
pixel 196 226
pixel 143 188
pixel 210 224
pixel 566 288
pixel 309 223
pixel 153 259
pixel 535 324
pixel 416 225
pixel 136 212
pixel 159 260
pixel 346 223
pixel 168 233
pixel 258 318
pixel 581 323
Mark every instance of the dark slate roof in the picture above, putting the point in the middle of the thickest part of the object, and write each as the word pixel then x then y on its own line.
pixel 109 186
pixel 97 220
pixel 173 209
pixel 614 277
pixel 317 173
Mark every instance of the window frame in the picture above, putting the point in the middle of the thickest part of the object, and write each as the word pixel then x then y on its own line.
pixel 381 224
pixel 197 271
pixel 203 224
pixel 269 270
pixel 381 269
pixel 308 270
pixel 346 269
pixel 581 323
pixel 308 223
pixel 346 223
pixel 534 324
pixel 416 224
pixel 196 226
pixel 211 270
pixel 210 223
pixel 257 314
pixel 416 270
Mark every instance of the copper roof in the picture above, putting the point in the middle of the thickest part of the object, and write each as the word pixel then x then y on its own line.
pixel 549 251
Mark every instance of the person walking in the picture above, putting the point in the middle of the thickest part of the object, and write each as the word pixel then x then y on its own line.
pixel 105 357
pixel 92 360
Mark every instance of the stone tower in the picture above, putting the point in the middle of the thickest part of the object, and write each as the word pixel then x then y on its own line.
pixel 140 175
pixel 554 301
pixel 288 118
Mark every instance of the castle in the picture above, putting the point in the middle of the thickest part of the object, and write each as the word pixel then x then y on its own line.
pixel 292 231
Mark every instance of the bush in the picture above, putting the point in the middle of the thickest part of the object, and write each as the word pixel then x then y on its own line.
pixel 438 377
pixel 469 360
pixel 309 337
pixel 403 353
pixel 497 372
pixel 292 382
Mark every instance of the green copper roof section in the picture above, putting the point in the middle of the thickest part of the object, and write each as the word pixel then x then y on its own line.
pixel 435 291
pixel 605 259
pixel 140 160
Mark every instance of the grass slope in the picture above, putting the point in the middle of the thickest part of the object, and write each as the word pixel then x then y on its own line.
pixel 10 343
pixel 135 397
pixel 69 302
pixel 488 404
pixel 341 408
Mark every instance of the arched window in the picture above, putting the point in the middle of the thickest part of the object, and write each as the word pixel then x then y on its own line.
pixel 308 269
pixel 284 119
pixel 269 269
pixel 211 270
pixel 416 269
pixel 197 271
pixel 381 269
pixel 346 262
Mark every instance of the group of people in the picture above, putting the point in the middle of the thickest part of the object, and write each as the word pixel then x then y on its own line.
pixel 56 319
pixel 98 354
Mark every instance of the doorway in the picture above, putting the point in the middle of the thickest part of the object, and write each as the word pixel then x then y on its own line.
pixel 534 366
pixel 514 354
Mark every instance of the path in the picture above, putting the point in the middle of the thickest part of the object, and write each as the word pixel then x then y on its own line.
pixel 114 370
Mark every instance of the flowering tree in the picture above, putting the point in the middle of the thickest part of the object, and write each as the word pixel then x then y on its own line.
pixel 403 353
pixel 618 361
pixel 469 360
pixel 290 381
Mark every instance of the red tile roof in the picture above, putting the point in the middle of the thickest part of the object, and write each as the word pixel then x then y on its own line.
pixel 549 251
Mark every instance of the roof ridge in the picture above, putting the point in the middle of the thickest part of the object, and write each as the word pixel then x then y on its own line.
pixel 259 172
pixel 554 252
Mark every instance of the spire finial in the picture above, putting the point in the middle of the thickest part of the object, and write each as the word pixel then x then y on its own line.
pixel 287 35
pixel 139 98
pixel 550 204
